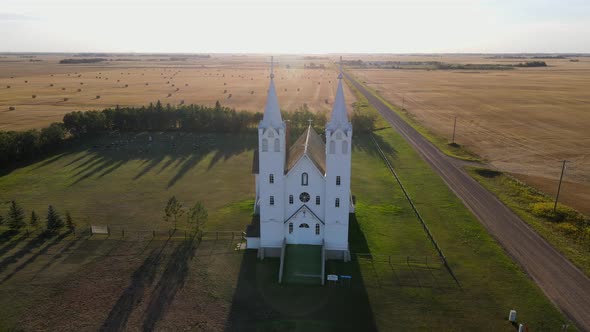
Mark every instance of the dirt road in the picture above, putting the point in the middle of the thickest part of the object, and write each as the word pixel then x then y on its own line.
pixel 563 283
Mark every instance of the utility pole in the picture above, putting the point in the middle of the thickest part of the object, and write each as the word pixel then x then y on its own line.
pixel 454 127
pixel 559 185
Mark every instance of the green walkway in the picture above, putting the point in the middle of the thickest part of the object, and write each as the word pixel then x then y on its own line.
pixel 303 264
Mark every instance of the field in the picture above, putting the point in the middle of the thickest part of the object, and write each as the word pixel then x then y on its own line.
pixel 236 81
pixel 88 283
pixel 523 121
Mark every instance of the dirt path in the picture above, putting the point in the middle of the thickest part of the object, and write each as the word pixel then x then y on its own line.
pixel 563 283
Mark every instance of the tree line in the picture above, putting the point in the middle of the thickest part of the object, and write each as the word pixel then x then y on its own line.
pixel 15 219
pixel 27 145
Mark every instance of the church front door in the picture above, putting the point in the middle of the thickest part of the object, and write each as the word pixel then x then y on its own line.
pixel 304 228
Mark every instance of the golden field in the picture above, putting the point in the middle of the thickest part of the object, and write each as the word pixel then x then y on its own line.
pixel 523 121
pixel 237 81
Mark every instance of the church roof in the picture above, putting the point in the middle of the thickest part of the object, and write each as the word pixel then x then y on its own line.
pixel 272 111
pixel 310 144
pixel 339 117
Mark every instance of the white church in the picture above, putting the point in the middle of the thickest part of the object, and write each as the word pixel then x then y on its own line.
pixel 302 189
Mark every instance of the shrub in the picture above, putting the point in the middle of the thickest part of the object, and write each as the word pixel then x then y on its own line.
pixel 8 86
pixel 81 83
pixel 66 99
pixel 51 84
pixel 97 97
pixel 567 228
pixel 63 89
pixel 224 91
pixel 26 81
pixel 562 213
pixel 487 173
pixel 126 85
pixel 79 90
pixel 169 95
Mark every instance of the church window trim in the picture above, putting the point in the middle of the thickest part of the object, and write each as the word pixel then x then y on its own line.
pixel 338 180
pixel 272 200
pixel 337 202
pixel 277 145
pixel 332 148
pixel 264 145
pixel 271 178
pixel 304 179
pixel 290 199
pixel 304 225
pixel 317 229
pixel 344 147
pixel 271 133
pixel 317 200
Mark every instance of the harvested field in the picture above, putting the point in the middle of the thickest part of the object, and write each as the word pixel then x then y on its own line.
pixel 523 121
pixel 236 81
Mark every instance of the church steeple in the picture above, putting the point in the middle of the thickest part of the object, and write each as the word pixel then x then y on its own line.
pixel 272 111
pixel 339 118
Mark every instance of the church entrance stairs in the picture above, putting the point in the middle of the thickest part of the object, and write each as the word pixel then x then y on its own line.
pixel 303 264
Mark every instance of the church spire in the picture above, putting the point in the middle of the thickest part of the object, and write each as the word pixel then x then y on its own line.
pixel 272 112
pixel 339 118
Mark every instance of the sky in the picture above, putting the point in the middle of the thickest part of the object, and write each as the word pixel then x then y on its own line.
pixel 295 26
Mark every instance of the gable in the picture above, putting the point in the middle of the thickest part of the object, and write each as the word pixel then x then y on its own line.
pixel 311 145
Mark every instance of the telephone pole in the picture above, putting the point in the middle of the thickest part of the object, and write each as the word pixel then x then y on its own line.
pixel 454 127
pixel 559 185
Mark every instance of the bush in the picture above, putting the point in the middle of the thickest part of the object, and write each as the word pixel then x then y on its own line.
pixel 487 173
pixel 561 214
pixel 567 228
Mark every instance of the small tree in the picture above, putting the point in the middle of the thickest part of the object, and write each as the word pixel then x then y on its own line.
pixel 197 216
pixel 70 224
pixel 173 210
pixel 34 220
pixel 16 216
pixel 54 221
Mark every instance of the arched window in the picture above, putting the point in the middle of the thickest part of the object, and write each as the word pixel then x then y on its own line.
pixel 264 145
pixel 272 200
pixel 277 145
pixel 304 179
pixel 332 149
pixel 304 225
pixel 344 147
pixel 271 178
pixel 317 229
pixel 290 199
pixel 317 200
pixel 337 202
pixel 290 227
pixel 338 180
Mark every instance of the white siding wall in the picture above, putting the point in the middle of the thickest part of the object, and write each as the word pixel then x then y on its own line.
pixel 338 164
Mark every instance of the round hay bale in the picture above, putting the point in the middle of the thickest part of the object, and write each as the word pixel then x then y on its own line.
pixel 11 108
pixel 66 99
pixel 34 96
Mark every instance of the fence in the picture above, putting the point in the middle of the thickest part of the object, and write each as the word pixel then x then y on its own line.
pixel 424 226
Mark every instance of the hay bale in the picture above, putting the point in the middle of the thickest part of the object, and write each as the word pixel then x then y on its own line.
pixel 63 89
pixel 79 90
pixel 8 86
pixel 51 84
pixel 34 96
pixel 66 99
pixel 11 108
pixel 97 97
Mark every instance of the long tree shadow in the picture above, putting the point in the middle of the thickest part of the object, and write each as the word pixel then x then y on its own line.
pixel 35 256
pixel 364 143
pixel 60 254
pixel 171 281
pixel 260 303
pixel 10 244
pixel 142 278
pixel 28 248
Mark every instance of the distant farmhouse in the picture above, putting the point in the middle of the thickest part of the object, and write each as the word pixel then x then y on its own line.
pixel 302 190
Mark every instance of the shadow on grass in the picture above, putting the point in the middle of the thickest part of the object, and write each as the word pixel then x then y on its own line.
pixel 260 303
pixel 364 143
pixel 171 281
pixel 141 279
pixel 33 257
pixel 4 238
pixel 26 249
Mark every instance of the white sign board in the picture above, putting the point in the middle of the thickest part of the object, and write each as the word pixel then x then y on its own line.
pixel 332 277
pixel 99 229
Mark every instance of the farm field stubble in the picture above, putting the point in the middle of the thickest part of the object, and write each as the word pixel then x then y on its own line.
pixel 522 121
pixel 238 82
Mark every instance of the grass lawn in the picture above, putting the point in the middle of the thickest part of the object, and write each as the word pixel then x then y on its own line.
pixel 571 238
pixel 127 180
pixel 62 283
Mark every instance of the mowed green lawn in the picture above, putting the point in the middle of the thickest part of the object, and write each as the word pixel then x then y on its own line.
pixel 93 283
pixel 127 180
